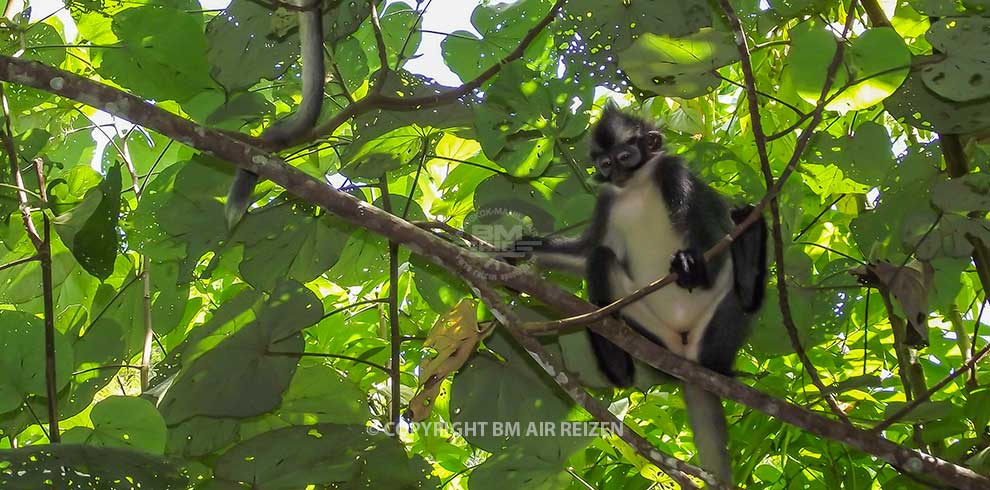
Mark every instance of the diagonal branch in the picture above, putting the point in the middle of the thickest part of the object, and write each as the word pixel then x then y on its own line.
pixel 927 395
pixel 376 100
pixel 383 70
pixel 677 469
pixel 471 267
pixel 761 149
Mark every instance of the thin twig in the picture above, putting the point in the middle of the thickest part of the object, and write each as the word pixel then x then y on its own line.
pixel 15 172
pixel 395 333
pixel 918 400
pixel 382 49
pixel 18 262
pixel 378 101
pixel 109 366
pixel 332 356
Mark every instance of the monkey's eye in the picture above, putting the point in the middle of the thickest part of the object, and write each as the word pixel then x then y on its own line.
pixel 624 157
pixel 604 163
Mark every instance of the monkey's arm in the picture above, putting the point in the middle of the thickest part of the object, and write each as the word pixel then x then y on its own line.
pixel 313 74
pixel 565 253
pixel 700 215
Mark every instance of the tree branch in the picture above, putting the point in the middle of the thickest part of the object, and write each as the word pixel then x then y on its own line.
pixel 761 148
pixel 395 334
pixel 472 267
pixel 376 100
pixel 568 382
pixel 382 49
pixel 927 395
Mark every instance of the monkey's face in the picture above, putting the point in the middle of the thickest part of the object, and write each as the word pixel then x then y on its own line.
pixel 621 144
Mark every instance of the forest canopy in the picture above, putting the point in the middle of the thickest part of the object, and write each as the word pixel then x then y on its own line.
pixel 357 329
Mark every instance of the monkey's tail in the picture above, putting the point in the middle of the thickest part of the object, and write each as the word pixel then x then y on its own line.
pixel 711 435
pixel 239 196
pixel 283 132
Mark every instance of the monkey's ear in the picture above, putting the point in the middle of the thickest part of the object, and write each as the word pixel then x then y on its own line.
pixel 654 140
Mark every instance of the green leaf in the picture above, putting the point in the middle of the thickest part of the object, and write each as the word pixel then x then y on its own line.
pixel 594 31
pixel 289 241
pixel 161 54
pixel 876 63
pixel 438 287
pixel 90 229
pixel 243 47
pixel 31 468
pixel 502 26
pixel 864 158
pixel 964 74
pixel 122 421
pixel 812 50
pixel 915 104
pixel 344 455
pixel 22 366
pixel 513 392
pixel 879 60
pixel 794 8
pixel 200 436
pixel 970 192
pixel 399 21
pixel 521 467
pixel 678 67
pixel 239 377
pixel 383 154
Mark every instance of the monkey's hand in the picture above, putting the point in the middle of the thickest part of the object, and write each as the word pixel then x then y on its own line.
pixel 521 250
pixel 689 265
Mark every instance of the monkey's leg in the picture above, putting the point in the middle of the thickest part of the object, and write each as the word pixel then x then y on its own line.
pixel 749 261
pixel 615 363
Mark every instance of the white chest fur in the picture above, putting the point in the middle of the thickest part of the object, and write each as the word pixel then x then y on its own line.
pixel 643 238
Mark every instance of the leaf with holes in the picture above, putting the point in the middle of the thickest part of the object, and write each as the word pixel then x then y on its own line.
pixel 964 74
pixel 678 67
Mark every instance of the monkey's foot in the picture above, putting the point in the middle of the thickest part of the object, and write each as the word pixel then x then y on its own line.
pixel 689 265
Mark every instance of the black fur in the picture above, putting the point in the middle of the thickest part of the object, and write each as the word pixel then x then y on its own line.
pixel 621 145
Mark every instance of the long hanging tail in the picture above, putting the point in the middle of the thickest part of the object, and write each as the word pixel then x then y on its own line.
pixel 313 74
pixel 711 435
pixel 239 196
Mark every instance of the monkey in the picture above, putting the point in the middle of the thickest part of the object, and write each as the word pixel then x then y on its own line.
pixel 282 132
pixel 653 216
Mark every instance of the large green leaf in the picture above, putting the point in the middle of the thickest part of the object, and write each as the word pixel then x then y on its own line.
pixel 874 66
pixel 22 366
pixel 121 421
pixel 917 105
pixel 513 392
pixel 594 31
pixel 345 455
pixel 502 26
pixel 33 467
pixel 161 54
pixel 90 229
pixel 289 241
pixel 678 67
pixel 964 74
pixel 241 376
pixel 243 47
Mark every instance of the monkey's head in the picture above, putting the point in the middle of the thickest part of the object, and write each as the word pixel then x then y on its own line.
pixel 621 144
